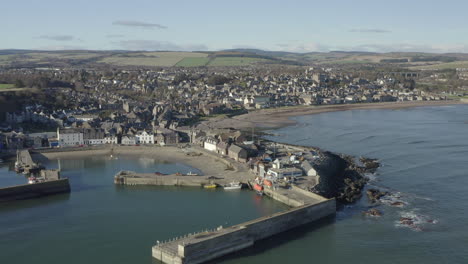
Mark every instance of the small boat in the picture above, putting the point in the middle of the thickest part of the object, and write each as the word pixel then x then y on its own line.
pixel 1 161
pixel 191 174
pixel 258 188
pixel 32 180
pixel 210 186
pixel 233 186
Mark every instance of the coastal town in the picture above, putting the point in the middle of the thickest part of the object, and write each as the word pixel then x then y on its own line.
pixel 212 120
pixel 174 105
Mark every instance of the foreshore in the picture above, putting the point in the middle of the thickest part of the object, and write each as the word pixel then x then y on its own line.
pixel 272 118
pixel 208 163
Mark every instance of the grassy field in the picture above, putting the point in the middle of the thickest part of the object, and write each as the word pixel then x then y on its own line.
pixel 349 62
pixel 151 58
pixel 6 86
pixel 193 62
pixel 234 61
pixel 443 66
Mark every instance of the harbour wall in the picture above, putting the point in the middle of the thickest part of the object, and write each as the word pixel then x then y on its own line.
pixel 27 191
pixel 212 245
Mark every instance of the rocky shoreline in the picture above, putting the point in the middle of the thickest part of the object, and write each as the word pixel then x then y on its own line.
pixel 342 178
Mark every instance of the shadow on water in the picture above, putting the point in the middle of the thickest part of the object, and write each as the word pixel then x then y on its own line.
pixel 33 202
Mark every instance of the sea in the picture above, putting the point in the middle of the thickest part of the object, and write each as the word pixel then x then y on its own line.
pixel 424 156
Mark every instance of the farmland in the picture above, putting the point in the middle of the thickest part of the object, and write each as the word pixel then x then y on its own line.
pixel 164 59
pixel 234 61
pixel 193 62
pixel 443 66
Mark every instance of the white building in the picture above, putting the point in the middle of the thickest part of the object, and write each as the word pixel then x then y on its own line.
pixel 144 138
pixel 70 137
pixel 210 144
pixel 110 139
pixel 284 172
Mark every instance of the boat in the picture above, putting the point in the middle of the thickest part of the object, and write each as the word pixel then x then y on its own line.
pixel 233 186
pixel 191 174
pixel 32 180
pixel 258 188
pixel 210 186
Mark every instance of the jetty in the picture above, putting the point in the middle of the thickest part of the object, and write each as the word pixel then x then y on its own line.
pixel 305 207
pixel 208 245
pixel 42 183
pixel 24 163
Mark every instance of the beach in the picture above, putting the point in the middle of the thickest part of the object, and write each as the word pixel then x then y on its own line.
pixel 272 118
pixel 208 163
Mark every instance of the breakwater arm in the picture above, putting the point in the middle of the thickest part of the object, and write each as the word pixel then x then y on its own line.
pixel 28 191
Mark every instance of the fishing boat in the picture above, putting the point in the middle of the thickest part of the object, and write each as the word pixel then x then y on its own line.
pixel 210 186
pixel 233 186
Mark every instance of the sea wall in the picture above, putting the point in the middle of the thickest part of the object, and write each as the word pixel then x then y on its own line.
pixel 27 191
pixel 240 236
pixel 164 181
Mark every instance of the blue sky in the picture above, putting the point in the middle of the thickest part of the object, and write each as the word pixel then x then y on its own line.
pixel 293 25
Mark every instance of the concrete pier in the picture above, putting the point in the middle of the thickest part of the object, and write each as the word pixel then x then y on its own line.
pixel 133 178
pixel 28 191
pixel 204 246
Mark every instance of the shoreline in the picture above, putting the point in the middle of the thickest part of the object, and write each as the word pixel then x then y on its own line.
pixel 274 118
pixel 207 163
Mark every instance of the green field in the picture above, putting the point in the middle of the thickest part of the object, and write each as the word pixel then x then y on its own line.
pixel 151 58
pixel 234 61
pixel 6 86
pixel 193 62
pixel 443 66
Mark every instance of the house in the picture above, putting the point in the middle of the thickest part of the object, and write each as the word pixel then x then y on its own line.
pixel 237 153
pixel 210 144
pixel 70 137
pixel 144 137
pixel 222 148
pixel 93 136
pixel 166 136
pixel 128 140
pixel 111 138
pixel 310 171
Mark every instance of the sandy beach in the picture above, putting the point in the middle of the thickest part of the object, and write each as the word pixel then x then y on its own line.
pixel 209 163
pixel 279 117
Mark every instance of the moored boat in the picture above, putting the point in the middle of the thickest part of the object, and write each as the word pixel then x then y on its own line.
pixel 233 186
pixel 32 180
pixel 210 186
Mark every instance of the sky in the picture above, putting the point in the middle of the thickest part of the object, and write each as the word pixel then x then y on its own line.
pixel 183 25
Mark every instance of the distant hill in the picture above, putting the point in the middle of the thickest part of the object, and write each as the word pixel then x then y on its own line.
pixel 230 57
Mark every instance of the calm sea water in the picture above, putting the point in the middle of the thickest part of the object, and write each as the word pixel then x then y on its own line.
pixel 102 223
pixel 424 152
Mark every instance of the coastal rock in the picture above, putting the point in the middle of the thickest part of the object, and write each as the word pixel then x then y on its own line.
pixel 398 204
pixel 339 178
pixel 370 163
pixel 373 212
pixel 374 195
